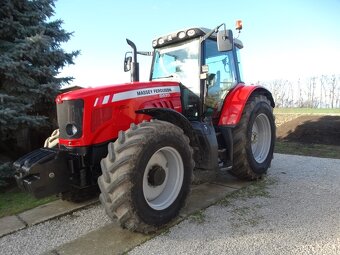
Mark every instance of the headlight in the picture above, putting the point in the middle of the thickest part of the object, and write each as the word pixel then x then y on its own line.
pixel 71 129
pixel 191 32
pixel 181 35
pixel 70 118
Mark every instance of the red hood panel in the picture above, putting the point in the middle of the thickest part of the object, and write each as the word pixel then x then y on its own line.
pixel 109 109
pixel 112 89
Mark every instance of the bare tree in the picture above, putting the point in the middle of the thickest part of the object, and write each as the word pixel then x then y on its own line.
pixel 323 81
pixel 311 92
pixel 300 94
pixel 332 91
pixel 337 96
pixel 279 91
pixel 314 92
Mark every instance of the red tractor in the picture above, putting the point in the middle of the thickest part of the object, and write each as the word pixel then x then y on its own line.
pixel 143 141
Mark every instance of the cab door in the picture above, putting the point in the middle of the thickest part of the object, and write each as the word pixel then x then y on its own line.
pixel 221 77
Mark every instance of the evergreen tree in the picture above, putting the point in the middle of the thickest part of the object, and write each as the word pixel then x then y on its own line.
pixel 30 59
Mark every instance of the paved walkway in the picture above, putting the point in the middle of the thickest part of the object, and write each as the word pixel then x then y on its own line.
pixel 58 208
pixel 109 239
pixel 296 212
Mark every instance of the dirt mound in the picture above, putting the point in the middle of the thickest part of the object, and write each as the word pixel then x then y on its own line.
pixel 311 129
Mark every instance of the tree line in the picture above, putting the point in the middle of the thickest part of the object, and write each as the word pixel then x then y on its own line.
pixel 314 92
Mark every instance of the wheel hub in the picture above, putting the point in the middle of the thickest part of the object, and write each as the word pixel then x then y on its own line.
pixel 156 175
pixel 163 178
pixel 254 137
pixel 261 138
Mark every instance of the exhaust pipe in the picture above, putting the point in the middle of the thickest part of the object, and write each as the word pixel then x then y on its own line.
pixel 135 64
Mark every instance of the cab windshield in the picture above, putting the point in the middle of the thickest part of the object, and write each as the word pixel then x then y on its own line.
pixel 178 62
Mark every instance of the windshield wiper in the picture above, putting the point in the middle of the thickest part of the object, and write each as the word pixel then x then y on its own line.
pixel 164 77
pixel 215 30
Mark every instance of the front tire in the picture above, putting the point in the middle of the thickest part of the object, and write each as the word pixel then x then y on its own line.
pixel 254 139
pixel 146 175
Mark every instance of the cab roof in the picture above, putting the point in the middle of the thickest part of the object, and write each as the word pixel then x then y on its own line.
pixel 186 34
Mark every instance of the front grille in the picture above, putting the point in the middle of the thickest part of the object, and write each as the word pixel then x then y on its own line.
pixel 70 112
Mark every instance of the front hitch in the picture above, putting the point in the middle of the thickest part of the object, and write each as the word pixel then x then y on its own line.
pixel 43 172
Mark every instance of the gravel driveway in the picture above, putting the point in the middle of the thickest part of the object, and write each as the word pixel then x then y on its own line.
pixel 49 235
pixel 295 211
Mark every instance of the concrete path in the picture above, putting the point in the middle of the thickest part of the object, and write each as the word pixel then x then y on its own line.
pixel 58 208
pixel 43 230
pixel 10 224
pixel 112 239
pixel 295 211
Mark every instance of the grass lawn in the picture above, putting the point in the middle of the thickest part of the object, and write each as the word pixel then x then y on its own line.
pixel 14 201
pixel 315 150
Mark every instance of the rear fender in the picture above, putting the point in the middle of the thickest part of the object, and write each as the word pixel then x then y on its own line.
pixel 236 100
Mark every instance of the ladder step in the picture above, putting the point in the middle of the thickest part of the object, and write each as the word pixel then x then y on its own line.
pixel 226 168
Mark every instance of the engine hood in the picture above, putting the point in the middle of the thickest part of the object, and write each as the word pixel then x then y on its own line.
pixel 98 114
pixel 111 90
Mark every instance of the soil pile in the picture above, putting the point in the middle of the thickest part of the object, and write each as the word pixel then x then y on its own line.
pixel 311 129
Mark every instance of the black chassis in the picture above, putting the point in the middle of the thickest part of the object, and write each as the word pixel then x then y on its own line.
pixel 48 171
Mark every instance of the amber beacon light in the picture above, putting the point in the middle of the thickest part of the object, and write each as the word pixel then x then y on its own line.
pixel 239 25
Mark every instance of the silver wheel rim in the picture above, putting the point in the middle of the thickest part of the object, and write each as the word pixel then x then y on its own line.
pixel 261 136
pixel 162 196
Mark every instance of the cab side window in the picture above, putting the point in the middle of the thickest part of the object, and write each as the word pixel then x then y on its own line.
pixel 221 75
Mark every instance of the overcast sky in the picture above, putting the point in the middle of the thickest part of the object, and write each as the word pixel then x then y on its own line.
pixel 282 39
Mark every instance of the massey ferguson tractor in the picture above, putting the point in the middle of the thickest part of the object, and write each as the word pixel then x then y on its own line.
pixel 142 142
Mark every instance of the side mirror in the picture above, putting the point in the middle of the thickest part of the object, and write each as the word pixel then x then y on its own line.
pixel 225 40
pixel 127 62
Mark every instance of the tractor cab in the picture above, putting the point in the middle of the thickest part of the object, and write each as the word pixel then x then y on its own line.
pixel 205 63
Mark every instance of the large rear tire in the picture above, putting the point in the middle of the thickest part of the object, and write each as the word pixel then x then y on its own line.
pixel 254 139
pixel 146 175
